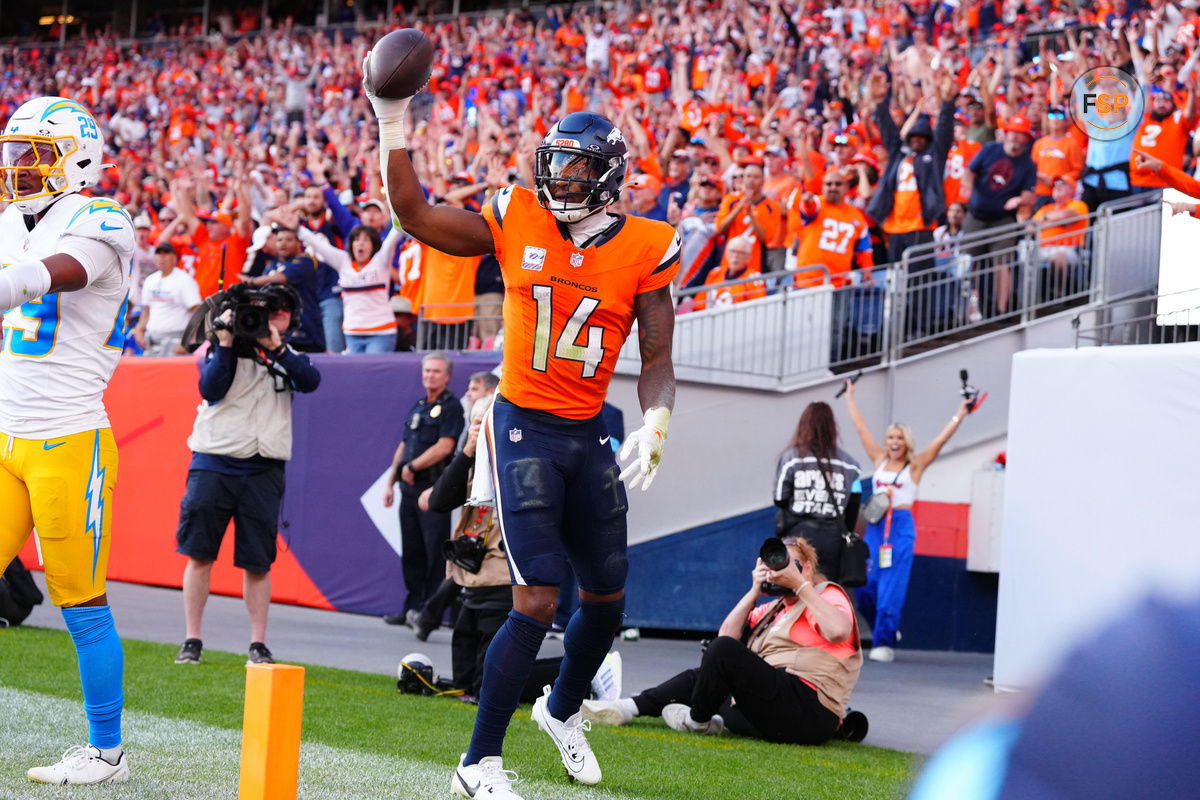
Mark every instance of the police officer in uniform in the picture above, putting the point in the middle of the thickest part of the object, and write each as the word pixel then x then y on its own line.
pixel 430 434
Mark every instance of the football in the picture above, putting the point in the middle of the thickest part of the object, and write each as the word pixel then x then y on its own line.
pixel 399 64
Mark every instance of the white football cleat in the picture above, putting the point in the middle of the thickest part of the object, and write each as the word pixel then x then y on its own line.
pixel 577 755
pixel 79 766
pixel 679 718
pixel 606 685
pixel 487 779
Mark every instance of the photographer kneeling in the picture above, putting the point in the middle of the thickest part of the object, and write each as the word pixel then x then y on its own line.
pixel 781 671
pixel 240 443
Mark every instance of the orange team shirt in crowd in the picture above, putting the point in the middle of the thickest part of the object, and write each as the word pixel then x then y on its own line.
pixel 1054 158
pixel 906 210
pixel 769 215
pixel 728 295
pixel 448 287
pixel 568 311
pixel 408 267
pixel 1165 140
pixel 208 259
pixel 1059 235
pixel 779 187
pixel 956 167
pixel 833 235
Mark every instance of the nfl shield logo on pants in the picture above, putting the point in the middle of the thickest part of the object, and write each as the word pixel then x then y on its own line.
pixel 514 435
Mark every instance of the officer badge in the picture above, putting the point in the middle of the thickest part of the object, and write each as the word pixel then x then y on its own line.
pixel 514 434
pixel 435 412
pixel 576 260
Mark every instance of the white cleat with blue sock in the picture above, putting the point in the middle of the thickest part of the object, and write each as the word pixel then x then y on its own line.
pixel 577 755
pixel 488 780
pixel 82 765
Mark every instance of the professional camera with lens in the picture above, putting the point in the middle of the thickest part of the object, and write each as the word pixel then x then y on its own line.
pixel 252 308
pixel 465 551
pixel 774 554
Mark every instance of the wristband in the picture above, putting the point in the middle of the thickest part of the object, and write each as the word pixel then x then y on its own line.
pixel 800 588
pixel 956 418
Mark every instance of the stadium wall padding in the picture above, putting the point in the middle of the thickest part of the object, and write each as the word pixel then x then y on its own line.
pixel 332 556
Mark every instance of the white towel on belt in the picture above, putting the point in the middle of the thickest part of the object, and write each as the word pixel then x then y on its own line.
pixel 483 492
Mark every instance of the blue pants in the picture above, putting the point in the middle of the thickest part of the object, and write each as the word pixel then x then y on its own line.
pixel 882 599
pixel 331 322
pixel 370 343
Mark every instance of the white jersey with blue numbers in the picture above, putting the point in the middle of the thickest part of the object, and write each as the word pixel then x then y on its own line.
pixel 60 350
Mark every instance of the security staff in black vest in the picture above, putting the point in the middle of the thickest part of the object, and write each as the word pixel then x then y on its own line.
pixel 430 434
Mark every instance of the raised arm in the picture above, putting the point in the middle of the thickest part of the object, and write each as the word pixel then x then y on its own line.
pixel 874 451
pixel 927 456
pixel 454 231
pixel 324 251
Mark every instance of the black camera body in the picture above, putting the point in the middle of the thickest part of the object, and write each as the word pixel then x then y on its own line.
pixel 465 551
pixel 252 308
pixel 774 554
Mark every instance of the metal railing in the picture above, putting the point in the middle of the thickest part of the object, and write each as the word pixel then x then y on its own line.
pixel 936 294
pixel 1154 319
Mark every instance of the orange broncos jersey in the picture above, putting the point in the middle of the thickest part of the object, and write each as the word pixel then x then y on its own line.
pixel 834 236
pixel 1166 140
pixel 956 167
pixel 568 311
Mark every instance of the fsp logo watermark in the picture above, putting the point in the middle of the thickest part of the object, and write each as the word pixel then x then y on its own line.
pixel 1107 103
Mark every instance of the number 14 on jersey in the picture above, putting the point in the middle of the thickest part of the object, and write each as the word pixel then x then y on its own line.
pixel 565 347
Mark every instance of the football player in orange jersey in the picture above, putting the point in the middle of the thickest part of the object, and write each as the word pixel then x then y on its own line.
pixel 576 277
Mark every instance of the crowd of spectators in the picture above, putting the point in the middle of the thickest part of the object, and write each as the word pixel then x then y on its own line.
pixel 818 134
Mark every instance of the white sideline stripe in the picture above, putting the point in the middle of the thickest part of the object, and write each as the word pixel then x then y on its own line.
pixel 186 759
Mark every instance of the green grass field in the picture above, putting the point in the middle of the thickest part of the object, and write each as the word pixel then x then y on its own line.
pixel 362 739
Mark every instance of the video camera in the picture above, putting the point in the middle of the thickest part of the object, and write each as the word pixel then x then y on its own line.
pixel 252 308
pixel 774 554
pixel 969 393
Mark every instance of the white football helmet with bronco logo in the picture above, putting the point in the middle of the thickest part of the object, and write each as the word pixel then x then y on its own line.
pixel 51 147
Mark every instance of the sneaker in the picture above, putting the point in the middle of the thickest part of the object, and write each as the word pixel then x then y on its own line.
pixel 189 652
pixel 556 632
pixel 882 654
pixel 82 765
pixel 568 737
pixel 259 654
pixel 606 685
pixel 412 618
pixel 679 718
pixel 606 712
pixel 488 779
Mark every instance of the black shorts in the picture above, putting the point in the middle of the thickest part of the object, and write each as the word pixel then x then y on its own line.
pixel 251 501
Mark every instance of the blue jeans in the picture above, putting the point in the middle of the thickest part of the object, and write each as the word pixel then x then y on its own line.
pixel 371 343
pixel 331 321
pixel 882 599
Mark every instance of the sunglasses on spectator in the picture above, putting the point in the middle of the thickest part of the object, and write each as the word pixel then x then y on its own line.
pixel 1056 115
pixel 841 139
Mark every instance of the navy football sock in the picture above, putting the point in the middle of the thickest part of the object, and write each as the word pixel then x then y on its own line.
pixel 101 666
pixel 587 640
pixel 506 668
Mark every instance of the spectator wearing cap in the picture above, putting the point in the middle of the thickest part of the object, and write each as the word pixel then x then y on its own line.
pixel 1057 154
pixel 737 264
pixel 778 180
pixel 220 238
pixel 1000 182
pixel 751 213
pixel 677 182
pixel 1163 134
pixel 300 271
pixel 1060 234
pixel 981 121
pixel 697 226
pixel 169 295
pixel 144 263
pixel 644 193
pixel 910 197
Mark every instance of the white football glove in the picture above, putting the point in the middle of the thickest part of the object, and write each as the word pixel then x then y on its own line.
pixel 390 113
pixel 647 441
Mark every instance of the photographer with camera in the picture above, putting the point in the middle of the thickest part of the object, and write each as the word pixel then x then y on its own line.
pixel 240 443
pixel 780 671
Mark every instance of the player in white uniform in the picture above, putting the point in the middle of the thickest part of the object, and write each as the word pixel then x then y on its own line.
pixel 65 263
